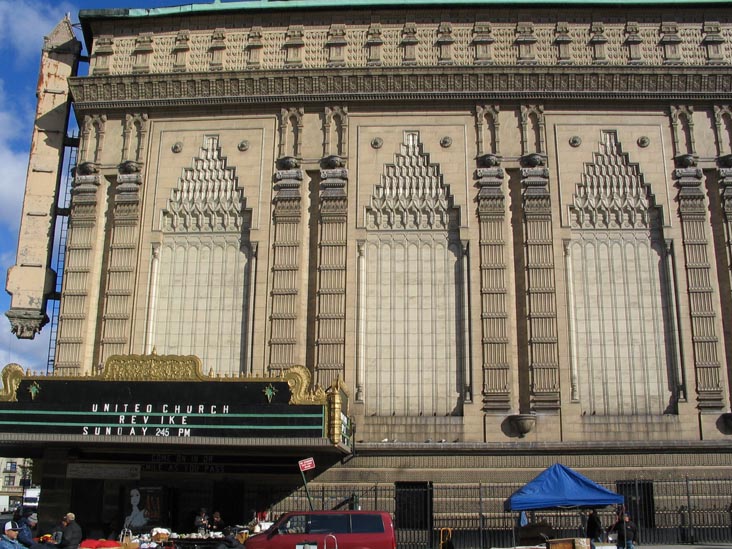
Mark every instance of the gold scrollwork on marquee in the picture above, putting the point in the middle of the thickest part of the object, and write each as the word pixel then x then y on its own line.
pixel 153 367
pixel 298 378
pixel 12 373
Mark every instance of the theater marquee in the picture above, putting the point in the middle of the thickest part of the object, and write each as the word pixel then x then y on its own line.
pixel 169 397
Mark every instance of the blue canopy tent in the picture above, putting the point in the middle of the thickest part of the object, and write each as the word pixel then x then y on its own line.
pixel 559 487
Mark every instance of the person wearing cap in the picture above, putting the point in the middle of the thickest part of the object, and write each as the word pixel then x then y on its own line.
pixel 27 525
pixel 10 536
pixel 72 535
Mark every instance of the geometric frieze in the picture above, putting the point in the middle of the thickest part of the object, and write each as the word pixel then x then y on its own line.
pixel 419 83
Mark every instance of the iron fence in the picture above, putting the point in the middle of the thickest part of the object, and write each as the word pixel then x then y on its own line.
pixel 665 512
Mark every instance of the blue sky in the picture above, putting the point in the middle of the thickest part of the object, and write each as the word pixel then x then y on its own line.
pixel 23 23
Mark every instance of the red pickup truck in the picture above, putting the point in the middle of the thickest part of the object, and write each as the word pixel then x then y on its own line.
pixel 328 530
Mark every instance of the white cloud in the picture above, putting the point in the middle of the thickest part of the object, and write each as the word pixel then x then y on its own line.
pixel 12 184
pixel 24 23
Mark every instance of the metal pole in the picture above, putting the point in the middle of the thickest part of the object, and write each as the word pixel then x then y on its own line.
pixel 480 509
pixel 688 512
pixel 305 482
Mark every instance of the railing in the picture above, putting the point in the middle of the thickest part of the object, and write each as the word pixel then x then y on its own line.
pixel 666 512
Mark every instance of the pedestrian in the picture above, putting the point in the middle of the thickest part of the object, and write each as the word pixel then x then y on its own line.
pixel 10 536
pixel 71 537
pixel 217 523
pixel 57 533
pixel 594 526
pixel 27 525
pixel 626 531
pixel 200 523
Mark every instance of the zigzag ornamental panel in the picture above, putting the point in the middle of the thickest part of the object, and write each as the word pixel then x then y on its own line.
pixel 207 198
pixel 612 194
pixel 412 194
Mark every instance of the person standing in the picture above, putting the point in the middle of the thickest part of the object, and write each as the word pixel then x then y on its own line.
pixel 217 523
pixel 72 535
pixel 201 521
pixel 627 532
pixel 27 525
pixel 10 536
pixel 594 526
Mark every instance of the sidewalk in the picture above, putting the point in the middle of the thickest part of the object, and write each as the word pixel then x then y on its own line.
pixel 689 546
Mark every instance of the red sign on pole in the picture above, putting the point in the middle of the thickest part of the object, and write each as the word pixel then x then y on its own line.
pixel 306 464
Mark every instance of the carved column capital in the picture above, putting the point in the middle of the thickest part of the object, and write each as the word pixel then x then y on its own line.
pixel 26 323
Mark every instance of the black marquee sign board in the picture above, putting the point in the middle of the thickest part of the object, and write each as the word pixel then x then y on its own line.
pixel 176 401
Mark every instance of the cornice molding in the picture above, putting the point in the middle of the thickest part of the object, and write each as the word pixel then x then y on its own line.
pixel 97 93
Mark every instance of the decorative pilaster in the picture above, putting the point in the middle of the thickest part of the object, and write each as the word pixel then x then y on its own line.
pixel 598 41
pixel 294 46
pixel 336 45
pixel 563 41
pixel 444 43
pixel 286 286
pixel 705 342
pixel 120 272
pixel 540 286
pixel 633 42
pixel 77 270
pixel 331 290
pixel 180 50
pixel 670 42
pixel 101 54
pixel 142 54
pixel 254 47
pixel 216 50
pixel 526 42
pixel 409 43
pixel 713 42
pixel 482 43
pixel 493 295
pixel 374 44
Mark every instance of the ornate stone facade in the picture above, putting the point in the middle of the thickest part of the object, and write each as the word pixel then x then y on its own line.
pixel 507 229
